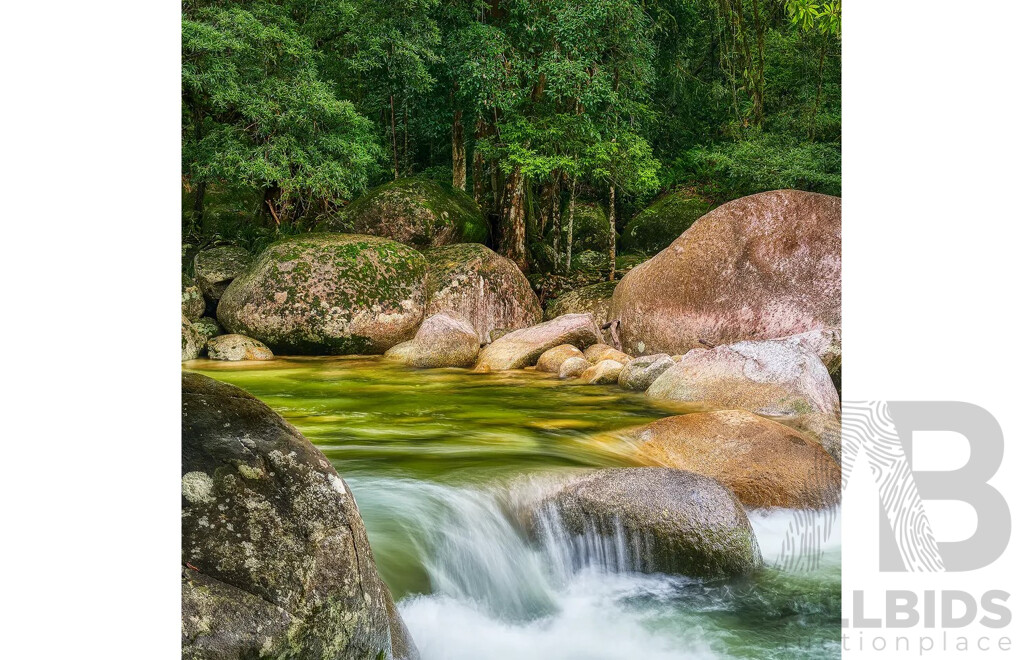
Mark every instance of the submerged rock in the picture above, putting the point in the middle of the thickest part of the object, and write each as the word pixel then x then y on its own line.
pixel 275 559
pixel 523 347
pixel 414 211
pixel 191 341
pixel 766 377
pixel 551 360
pixel 639 373
pixel 573 368
pixel 766 464
pixel 217 267
pixel 669 521
pixel 237 347
pixel 440 342
pixel 472 282
pixel 328 294
pixel 594 298
pixel 760 267
pixel 654 228
pixel 604 372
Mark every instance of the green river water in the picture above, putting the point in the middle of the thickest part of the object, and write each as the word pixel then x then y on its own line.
pixel 442 462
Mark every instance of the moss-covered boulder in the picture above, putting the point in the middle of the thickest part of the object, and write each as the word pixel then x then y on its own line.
pixel 274 555
pixel 414 211
pixel 595 299
pixel 590 229
pixel 664 520
pixel 766 464
pixel 217 267
pixel 235 348
pixel 328 294
pixel 472 282
pixel 192 303
pixel 208 328
pixel 192 342
pixel 590 261
pixel 653 229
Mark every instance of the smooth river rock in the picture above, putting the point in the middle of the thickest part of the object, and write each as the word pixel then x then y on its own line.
pixel 275 559
pixel 328 294
pixel 551 360
pixel 766 464
pixel 760 267
pixel 472 282
pixel 523 348
pixel 639 373
pixel 604 372
pixel 673 521
pixel 441 341
pixel 573 368
pixel 599 352
pixel 765 377
pixel 237 347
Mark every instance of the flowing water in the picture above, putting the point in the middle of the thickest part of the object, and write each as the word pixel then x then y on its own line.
pixel 443 465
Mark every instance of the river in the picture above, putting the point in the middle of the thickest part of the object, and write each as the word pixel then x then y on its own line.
pixel 442 464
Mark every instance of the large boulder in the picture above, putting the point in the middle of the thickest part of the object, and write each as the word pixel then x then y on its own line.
pixel 665 520
pixel 639 373
pixel 595 299
pixel 192 342
pixel 441 341
pixel 766 464
pixel 217 267
pixel 653 229
pixel 760 267
pixel 414 211
pixel 208 328
pixel 765 377
pixel 328 294
pixel 472 282
pixel 522 348
pixel 275 559
pixel 237 347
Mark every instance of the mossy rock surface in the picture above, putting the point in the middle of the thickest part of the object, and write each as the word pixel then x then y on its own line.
pixel 653 229
pixel 472 282
pixel 275 558
pixel 217 267
pixel 673 521
pixel 590 261
pixel 590 229
pixel 328 294
pixel 595 299
pixel 192 342
pixel 414 211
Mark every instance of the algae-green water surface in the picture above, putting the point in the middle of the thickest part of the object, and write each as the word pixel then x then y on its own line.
pixel 439 460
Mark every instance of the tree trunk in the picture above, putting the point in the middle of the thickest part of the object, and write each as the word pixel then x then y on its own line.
pixel 759 82
pixel 479 134
pixel 556 218
pixel 611 234
pixel 198 200
pixel 512 233
pixel 394 136
pixel 817 97
pixel 458 153
pixel 568 231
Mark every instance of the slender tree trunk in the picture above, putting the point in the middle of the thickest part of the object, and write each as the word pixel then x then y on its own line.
pixel 405 136
pixel 611 232
pixel 394 136
pixel 512 239
pixel 479 134
pixel 459 153
pixel 556 218
pixel 817 97
pixel 198 203
pixel 568 232
pixel 759 83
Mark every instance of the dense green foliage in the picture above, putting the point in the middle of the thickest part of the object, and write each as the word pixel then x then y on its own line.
pixel 529 105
